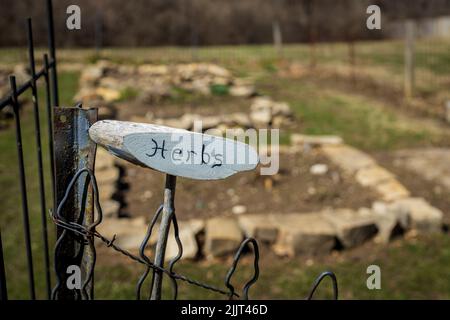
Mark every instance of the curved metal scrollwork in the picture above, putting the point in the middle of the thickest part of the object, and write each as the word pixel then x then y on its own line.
pixel 234 265
pixel 84 234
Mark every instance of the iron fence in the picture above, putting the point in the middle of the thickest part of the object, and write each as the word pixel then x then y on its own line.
pixel 48 74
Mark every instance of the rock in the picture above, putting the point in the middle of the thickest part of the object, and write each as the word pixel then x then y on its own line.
pixel 278 121
pixel 259 103
pixel 240 119
pixel 103 160
pixel 129 232
pixel 222 81
pixel 281 108
pixel 189 119
pixel 154 70
pixel 87 94
pixel 424 217
pixel 110 208
pixel 187 233
pixel 258 226
pixel 391 190
pixel 318 169
pixel 196 225
pixel 315 141
pixel 91 75
pixel 371 176
pixel 303 234
pixel 348 158
pixel 352 228
pixel 107 191
pixel 126 69
pixel 105 112
pixel 218 71
pixel 110 82
pixel 21 73
pixel 390 223
pixel 242 91
pixel 429 163
pixel 210 122
pixel 202 86
pixel 154 93
pixel 222 236
pixel 181 123
pixel 108 94
pixel 107 176
pixel 261 118
pixel 239 209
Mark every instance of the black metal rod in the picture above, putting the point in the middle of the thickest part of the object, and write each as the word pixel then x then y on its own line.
pixel 23 186
pixel 50 127
pixel 51 48
pixel 168 211
pixel 21 89
pixel 37 127
pixel 3 290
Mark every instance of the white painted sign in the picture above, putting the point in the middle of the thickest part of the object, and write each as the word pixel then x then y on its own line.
pixel 174 151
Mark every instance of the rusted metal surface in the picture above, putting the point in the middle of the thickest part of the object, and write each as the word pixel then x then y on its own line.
pixel 74 151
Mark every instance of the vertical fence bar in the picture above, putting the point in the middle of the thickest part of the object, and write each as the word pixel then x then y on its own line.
pixel 75 151
pixel 3 290
pixel 50 126
pixel 37 126
pixel 51 49
pixel 23 187
pixel 168 211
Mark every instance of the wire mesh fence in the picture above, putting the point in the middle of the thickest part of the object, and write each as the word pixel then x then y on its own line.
pixel 85 234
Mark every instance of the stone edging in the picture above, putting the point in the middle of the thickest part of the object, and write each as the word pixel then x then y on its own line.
pixel 311 233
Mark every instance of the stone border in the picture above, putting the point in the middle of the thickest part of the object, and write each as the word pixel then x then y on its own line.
pixel 291 234
pixel 313 233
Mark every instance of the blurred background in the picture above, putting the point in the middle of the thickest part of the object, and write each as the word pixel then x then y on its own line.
pixel 364 120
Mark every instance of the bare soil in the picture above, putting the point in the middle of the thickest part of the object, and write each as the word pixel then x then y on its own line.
pixel 293 189
pixel 171 108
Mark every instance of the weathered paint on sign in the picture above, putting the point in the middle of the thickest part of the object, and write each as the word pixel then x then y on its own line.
pixel 175 151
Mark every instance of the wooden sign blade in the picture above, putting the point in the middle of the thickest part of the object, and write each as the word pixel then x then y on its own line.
pixel 174 151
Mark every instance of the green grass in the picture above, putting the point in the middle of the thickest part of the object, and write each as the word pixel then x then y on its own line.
pixel 128 94
pixel 414 269
pixel 432 54
pixel 410 269
pixel 361 121
pixel 219 89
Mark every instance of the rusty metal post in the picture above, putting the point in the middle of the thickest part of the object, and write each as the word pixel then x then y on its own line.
pixel 164 227
pixel 73 151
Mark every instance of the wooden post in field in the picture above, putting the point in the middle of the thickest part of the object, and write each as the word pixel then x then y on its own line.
pixel 409 58
pixel 277 38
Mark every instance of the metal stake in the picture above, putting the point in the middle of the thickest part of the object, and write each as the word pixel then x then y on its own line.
pixel 75 150
pixel 168 211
